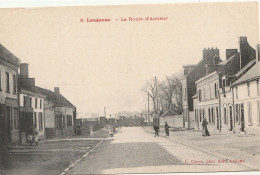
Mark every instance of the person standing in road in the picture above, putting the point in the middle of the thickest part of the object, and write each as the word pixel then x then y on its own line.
pixel 156 130
pixel 205 131
pixel 166 128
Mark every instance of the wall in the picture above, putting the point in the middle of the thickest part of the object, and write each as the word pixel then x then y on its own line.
pixel 173 121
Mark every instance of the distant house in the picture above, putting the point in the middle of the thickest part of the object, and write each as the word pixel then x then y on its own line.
pixel 9 115
pixel 192 73
pixel 53 115
pixel 247 100
pixel 60 114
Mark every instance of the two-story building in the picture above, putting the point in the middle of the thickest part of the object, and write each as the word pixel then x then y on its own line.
pixel 9 108
pixel 31 104
pixel 191 74
pixel 247 100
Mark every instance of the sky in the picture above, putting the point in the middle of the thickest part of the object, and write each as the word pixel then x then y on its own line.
pixel 106 64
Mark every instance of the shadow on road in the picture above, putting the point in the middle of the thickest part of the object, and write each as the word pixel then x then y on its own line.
pixel 125 155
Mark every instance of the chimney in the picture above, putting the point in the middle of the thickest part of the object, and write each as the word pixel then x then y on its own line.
pixel 57 90
pixel 210 53
pixel 244 56
pixel 230 53
pixel 258 53
pixel 188 69
pixel 24 72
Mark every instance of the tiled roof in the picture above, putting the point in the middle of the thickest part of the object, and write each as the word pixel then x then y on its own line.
pixel 245 67
pixel 7 55
pixel 250 75
pixel 57 99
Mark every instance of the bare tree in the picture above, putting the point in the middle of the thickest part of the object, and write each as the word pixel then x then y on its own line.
pixel 171 93
pixel 152 89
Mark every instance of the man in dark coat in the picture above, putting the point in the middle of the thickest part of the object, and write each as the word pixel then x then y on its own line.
pixel 166 128
pixel 156 130
pixel 205 131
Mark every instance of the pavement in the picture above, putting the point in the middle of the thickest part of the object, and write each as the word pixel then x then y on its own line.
pixel 229 146
pixel 136 150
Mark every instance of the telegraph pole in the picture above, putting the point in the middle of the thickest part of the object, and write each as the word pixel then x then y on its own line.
pixel 148 113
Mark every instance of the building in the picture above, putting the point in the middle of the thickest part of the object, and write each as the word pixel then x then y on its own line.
pixel 60 114
pixel 9 115
pixel 191 74
pixel 53 115
pixel 214 99
pixel 31 104
pixel 247 100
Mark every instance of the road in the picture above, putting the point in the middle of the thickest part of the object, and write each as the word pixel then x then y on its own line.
pixel 136 150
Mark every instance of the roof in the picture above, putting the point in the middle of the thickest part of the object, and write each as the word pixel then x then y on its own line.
pixel 7 55
pixel 57 99
pixel 31 89
pixel 245 67
pixel 251 75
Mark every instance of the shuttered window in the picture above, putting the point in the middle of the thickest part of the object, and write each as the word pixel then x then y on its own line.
pixel 249 112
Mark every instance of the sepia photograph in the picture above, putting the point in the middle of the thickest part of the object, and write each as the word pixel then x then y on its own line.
pixel 159 88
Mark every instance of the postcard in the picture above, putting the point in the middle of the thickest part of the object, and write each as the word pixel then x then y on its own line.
pixel 130 89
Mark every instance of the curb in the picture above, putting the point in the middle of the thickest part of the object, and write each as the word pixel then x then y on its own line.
pixel 82 157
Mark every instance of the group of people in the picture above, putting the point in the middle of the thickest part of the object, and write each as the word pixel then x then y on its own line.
pixel 205 131
pixel 157 128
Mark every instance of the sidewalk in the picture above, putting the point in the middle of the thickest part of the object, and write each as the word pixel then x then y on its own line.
pixel 233 146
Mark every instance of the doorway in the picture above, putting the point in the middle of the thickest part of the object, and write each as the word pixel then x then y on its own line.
pixel 242 118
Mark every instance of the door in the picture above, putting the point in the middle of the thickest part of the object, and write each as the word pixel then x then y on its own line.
pixel 2 127
pixel 231 120
pixel 242 118
pixel 9 123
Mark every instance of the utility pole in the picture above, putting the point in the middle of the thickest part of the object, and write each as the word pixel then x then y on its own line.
pixel 105 111
pixel 148 113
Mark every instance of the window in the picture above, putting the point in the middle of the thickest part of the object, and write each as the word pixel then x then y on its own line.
pixel 257 84
pixel 196 119
pixel 34 119
pixel 209 115
pixel 0 80
pixel 14 84
pixel 69 120
pixel 40 103
pixel 225 115
pixel 218 126
pixel 24 101
pixel 185 95
pixel 36 102
pixel 258 111
pixel 30 102
pixel 237 113
pixel 7 83
pixel 200 115
pixel 15 119
pixel 224 82
pixel 248 89
pixel 209 92
pixel 9 116
pixel 236 92
pixel 59 122
pixel 249 112
pixel 200 95
pixel 40 121
pixel 216 90
pixel 203 94
pixel 212 115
